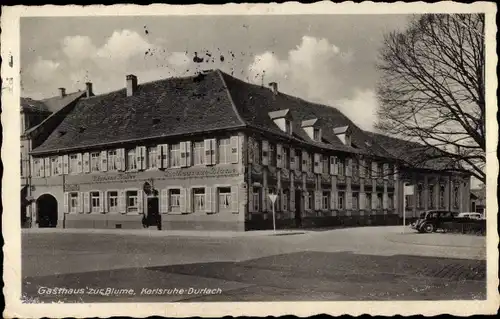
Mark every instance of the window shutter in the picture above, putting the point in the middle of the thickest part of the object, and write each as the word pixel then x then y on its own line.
pixel 183 154
pixel 213 151
pixel 348 200
pixel 104 161
pixel 86 202
pixel 292 159
pixel 265 153
pixel 333 200
pixel 187 197
pixel 292 202
pixel 362 200
pixel 208 199
pixel 163 200
pixel 208 157
pixel 79 164
pixel 66 204
pixel 234 199
pixel 138 157
pixel 250 199
pixel 121 202
pixel 140 201
pixel 279 155
pixel 304 161
pixel 59 165
pixel 123 159
pixel 386 171
pixel 317 163
pixel 102 207
pixel 47 166
pixel 86 162
pixel 144 155
pixel 348 167
pixel 189 154
pixel 165 157
pixel 384 201
pixel 80 202
pixel 234 149
pixel 159 152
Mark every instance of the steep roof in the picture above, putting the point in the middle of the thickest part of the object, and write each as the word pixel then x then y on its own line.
pixel 413 153
pixel 35 106
pixel 168 107
pixel 56 103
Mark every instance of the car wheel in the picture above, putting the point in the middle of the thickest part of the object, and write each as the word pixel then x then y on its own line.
pixel 428 228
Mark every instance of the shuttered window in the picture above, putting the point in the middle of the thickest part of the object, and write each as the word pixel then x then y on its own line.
pixel 224 151
pixel 132 201
pixel 54 166
pixel 95 204
pixel 224 199
pixel 113 201
pixel 199 199
pixel 95 160
pixel 131 159
pixel 152 157
pixel 73 202
pixel 341 167
pixel 199 153
pixel 174 200
pixel 175 155
pixel 112 160
pixel 325 201
pixel 326 164
pixel 286 157
pixel 73 164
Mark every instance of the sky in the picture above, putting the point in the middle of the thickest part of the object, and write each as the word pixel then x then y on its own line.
pixel 329 59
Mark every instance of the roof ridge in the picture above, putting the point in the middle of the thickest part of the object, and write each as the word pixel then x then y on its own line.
pixel 228 91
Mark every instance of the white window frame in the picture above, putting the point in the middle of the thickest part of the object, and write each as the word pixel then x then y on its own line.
pixel 197 198
pixel 54 165
pixel 177 200
pixel 224 149
pixel 132 159
pixel 94 209
pixel 199 152
pixel 115 208
pixel 97 160
pixel 73 209
pixel 224 197
pixel 131 208
pixel 325 200
pixel 152 157
pixel 112 160
pixel 174 154
pixel 73 164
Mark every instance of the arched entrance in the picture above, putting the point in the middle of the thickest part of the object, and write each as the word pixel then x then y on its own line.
pixel 46 211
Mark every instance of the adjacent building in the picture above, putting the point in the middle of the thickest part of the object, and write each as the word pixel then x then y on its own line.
pixel 213 148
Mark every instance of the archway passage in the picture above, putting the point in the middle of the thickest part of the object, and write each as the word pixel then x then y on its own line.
pixel 46 211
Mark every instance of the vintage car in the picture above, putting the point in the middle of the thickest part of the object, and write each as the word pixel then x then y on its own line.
pixel 470 215
pixel 433 220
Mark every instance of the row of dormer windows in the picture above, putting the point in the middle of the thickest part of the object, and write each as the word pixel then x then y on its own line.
pixel 282 156
pixel 162 156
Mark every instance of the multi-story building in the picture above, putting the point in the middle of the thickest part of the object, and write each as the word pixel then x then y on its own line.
pixel 213 148
pixel 38 119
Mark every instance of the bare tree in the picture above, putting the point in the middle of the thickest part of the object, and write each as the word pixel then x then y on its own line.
pixel 432 88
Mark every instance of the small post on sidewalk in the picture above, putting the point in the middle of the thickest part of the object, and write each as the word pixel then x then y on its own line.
pixel 272 197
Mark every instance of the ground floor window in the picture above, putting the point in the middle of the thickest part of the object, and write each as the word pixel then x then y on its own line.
pixel 368 200
pixel 132 201
pixel 325 200
pixel 390 201
pixel 455 197
pixel 309 201
pixel 284 200
pixel 224 199
pixel 113 201
pixel 341 200
pixel 73 202
pixel 199 199
pixel 94 202
pixel 379 200
pixel 174 200
pixel 355 201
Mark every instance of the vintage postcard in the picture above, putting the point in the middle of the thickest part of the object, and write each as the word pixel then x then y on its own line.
pixel 250 159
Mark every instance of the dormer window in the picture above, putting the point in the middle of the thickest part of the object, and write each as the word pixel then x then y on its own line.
pixel 317 135
pixel 344 134
pixel 283 119
pixel 313 129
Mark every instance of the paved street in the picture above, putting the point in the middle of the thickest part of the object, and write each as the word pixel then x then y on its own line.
pixel 371 263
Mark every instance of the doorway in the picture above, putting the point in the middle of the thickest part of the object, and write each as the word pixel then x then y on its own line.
pixel 153 217
pixel 298 208
pixel 46 211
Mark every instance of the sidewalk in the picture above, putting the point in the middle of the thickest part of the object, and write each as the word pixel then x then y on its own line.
pixel 153 232
pixel 437 239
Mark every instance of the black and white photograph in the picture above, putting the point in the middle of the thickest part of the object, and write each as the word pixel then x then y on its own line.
pixel 212 158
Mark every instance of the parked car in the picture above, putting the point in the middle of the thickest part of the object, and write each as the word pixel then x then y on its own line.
pixel 433 220
pixel 470 215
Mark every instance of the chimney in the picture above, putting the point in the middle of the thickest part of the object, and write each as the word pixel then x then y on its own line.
pixel 88 86
pixel 131 84
pixel 62 92
pixel 274 87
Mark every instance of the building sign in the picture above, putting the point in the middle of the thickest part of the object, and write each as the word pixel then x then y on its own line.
pixel 208 172
pixel 114 178
pixel 72 188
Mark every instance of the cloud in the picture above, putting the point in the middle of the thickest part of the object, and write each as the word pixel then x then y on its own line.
pixel 314 70
pixel 44 70
pixel 122 45
pixel 180 59
pixel 78 48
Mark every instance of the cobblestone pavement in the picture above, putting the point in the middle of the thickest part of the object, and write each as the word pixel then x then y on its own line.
pixel 347 264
